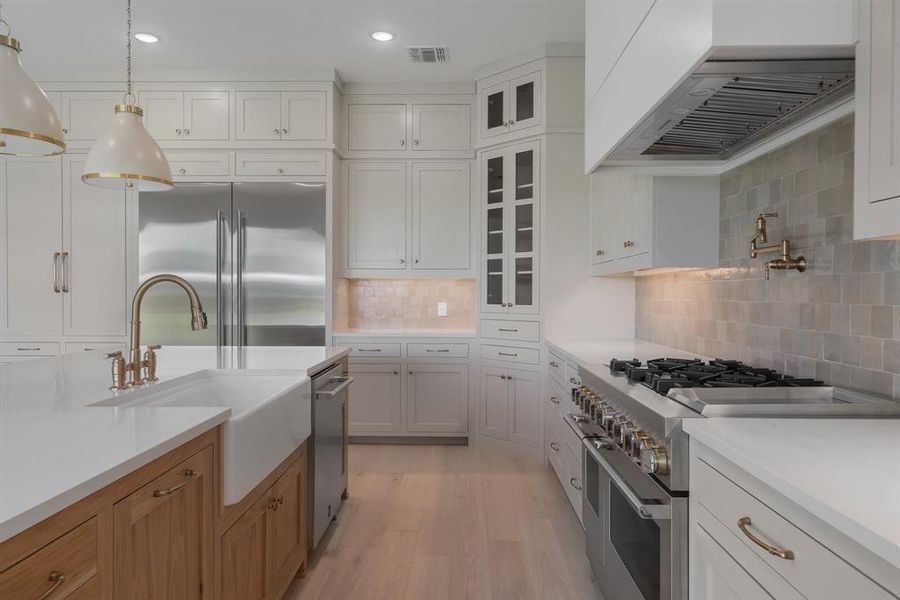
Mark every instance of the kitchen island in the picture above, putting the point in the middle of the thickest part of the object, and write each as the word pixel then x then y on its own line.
pixel 68 467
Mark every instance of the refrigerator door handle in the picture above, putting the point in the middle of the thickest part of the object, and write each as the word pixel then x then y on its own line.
pixel 239 277
pixel 220 300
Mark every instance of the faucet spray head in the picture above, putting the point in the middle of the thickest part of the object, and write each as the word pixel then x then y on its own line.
pixel 198 318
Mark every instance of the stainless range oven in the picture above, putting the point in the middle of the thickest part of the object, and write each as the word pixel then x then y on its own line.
pixel 636 530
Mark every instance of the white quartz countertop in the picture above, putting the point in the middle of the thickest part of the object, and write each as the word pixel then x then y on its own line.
pixel 55 448
pixel 846 472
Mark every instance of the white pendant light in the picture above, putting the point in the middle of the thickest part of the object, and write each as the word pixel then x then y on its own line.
pixel 28 124
pixel 126 156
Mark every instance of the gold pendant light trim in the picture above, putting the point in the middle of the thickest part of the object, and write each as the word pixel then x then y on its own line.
pixel 130 108
pixel 33 136
pixel 10 42
pixel 133 176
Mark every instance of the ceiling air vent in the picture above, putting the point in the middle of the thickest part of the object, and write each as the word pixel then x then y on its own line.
pixel 428 54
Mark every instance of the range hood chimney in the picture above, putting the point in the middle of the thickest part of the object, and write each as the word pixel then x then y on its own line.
pixel 726 106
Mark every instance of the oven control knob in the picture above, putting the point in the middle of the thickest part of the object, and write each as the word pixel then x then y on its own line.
pixel 617 424
pixel 625 433
pixel 637 439
pixel 655 460
pixel 606 417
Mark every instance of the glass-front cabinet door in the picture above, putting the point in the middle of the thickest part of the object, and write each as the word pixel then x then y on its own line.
pixel 511 187
pixel 495 110
pixel 524 101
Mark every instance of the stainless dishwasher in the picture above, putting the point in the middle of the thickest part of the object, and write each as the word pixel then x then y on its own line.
pixel 329 402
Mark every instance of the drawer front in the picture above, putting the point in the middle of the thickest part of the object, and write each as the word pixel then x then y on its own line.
pixel 519 331
pixel 29 349
pixel 528 356
pixel 557 400
pixel 274 165
pixel 573 482
pixel 199 165
pixel 63 565
pixel 572 379
pixel 93 347
pixel 556 448
pixel 814 570
pixel 557 368
pixel 419 350
pixel 375 350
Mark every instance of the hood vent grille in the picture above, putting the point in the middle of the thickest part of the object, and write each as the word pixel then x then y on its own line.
pixel 727 106
pixel 428 54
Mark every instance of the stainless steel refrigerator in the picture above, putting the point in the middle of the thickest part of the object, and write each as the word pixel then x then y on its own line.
pixel 254 251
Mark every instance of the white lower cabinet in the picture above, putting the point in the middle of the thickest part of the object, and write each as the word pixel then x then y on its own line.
pixel 375 398
pixel 510 409
pixel 437 398
pixel 744 545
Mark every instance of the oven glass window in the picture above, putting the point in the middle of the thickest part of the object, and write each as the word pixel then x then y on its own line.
pixel 637 542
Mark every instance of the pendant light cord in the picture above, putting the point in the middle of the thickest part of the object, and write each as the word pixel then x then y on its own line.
pixel 129 95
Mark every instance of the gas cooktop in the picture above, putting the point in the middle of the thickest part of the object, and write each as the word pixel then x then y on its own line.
pixel 664 374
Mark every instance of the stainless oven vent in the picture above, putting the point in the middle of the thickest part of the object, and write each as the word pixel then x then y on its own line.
pixel 726 106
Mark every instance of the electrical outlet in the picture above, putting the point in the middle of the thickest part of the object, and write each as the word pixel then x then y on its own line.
pixel 442 309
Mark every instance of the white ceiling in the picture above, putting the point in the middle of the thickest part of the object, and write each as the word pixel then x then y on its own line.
pixel 72 40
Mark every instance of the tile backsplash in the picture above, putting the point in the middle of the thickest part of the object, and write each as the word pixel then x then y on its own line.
pixel 362 304
pixel 839 321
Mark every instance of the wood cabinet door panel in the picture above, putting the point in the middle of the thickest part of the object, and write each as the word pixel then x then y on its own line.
pixel 287 527
pixel 245 558
pixel 163 534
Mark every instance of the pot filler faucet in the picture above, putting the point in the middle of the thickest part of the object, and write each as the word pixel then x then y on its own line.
pixel 141 370
pixel 780 264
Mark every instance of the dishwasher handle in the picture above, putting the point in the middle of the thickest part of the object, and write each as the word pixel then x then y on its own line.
pixel 342 384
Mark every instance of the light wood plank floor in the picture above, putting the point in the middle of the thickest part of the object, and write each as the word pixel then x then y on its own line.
pixel 449 523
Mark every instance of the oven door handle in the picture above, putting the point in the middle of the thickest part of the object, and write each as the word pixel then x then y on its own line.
pixel 655 512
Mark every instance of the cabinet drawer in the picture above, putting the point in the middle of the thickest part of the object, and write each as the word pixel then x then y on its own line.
pixel 286 165
pixel 528 356
pixel 437 350
pixel 93 347
pixel 29 349
pixel 557 369
pixel 204 165
pixel 572 379
pixel 521 331
pixel 815 571
pixel 73 557
pixel 375 350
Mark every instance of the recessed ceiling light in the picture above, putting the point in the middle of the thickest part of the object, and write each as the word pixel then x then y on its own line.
pixel 147 38
pixel 383 36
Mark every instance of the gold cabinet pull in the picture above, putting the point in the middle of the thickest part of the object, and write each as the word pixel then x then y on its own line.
pixel 65 272
pixel 55 270
pixel 744 524
pixel 189 473
pixel 57 578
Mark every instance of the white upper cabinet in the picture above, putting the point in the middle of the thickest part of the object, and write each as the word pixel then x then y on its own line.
pixel 257 115
pixel 509 105
pixel 441 127
pixel 510 191
pixel 641 221
pixel 376 194
pixel 163 114
pixel 30 249
pixel 87 115
pixel 876 212
pixel 304 116
pixel 174 115
pixel 377 127
pixel 206 116
pixel 94 256
pixel 441 215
